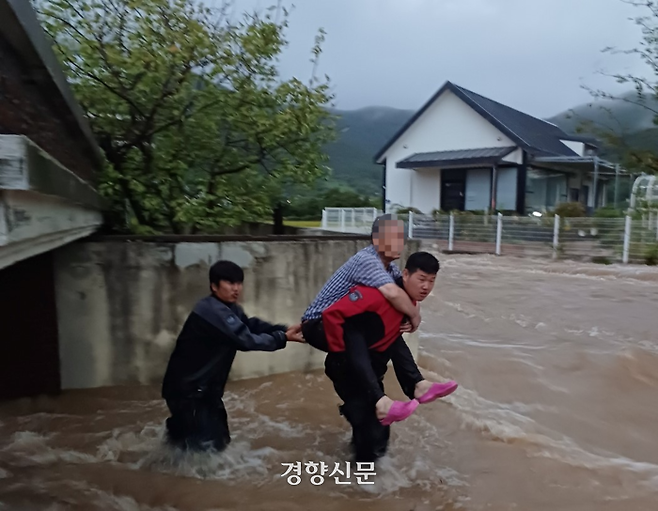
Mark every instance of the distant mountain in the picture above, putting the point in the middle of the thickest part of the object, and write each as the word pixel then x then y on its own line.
pixel 630 117
pixel 362 133
pixel 629 114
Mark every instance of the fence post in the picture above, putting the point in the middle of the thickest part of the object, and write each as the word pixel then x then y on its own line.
pixel 411 224
pixel 627 239
pixel 556 236
pixel 451 232
pixel 656 226
pixel 324 219
pixel 499 233
pixel 342 220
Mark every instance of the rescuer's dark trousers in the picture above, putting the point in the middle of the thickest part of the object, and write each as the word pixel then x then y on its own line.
pixel 369 437
pixel 198 423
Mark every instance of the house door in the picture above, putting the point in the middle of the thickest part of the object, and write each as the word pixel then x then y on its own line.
pixel 453 190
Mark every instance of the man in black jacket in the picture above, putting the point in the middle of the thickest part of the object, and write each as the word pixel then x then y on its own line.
pixel 199 366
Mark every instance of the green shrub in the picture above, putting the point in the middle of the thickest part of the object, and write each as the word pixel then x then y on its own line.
pixel 651 255
pixel 609 212
pixel 406 211
pixel 570 210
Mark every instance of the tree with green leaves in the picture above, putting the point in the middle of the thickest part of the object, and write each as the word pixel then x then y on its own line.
pixel 636 153
pixel 198 128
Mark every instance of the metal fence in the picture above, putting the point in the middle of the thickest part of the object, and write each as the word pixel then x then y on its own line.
pixel 354 220
pixel 607 240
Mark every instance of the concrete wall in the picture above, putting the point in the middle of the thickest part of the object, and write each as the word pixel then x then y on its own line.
pixel 121 304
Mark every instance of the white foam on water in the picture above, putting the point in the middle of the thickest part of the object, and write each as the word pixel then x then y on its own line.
pixel 30 449
pixel 482 343
pixel 235 464
pixel 508 423
pixel 143 441
pixel 470 315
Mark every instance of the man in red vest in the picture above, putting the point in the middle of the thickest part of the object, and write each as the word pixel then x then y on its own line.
pixel 362 333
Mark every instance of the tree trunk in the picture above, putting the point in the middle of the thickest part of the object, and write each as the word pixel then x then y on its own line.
pixel 277 214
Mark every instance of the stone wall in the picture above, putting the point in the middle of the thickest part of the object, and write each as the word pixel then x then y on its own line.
pixel 122 303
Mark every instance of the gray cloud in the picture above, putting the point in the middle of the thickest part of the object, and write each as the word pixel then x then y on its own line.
pixel 534 55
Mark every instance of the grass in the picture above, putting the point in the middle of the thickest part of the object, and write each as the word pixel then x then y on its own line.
pixel 302 223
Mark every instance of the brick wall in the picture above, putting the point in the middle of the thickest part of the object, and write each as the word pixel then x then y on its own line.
pixel 37 114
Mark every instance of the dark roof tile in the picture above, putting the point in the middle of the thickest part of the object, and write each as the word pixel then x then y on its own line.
pixel 535 136
pixel 485 155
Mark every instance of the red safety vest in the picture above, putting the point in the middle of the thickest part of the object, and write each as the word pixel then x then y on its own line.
pixel 361 299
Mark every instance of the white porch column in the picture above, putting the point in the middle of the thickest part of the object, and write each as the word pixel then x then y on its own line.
pixel 627 239
pixel 451 233
pixel 556 236
pixel 499 233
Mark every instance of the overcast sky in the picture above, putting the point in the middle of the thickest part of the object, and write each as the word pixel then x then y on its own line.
pixel 534 55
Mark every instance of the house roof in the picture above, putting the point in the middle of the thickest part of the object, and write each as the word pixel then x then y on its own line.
pixel 20 27
pixel 487 155
pixel 536 136
pixel 580 163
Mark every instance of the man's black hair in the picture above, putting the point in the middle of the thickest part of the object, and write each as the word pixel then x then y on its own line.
pixel 424 262
pixel 225 270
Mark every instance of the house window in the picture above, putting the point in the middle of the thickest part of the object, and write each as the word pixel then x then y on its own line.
pixel 545 190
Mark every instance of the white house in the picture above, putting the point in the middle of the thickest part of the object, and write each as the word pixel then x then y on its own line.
pixel 462 151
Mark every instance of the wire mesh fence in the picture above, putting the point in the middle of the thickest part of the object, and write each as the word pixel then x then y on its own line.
pixel 603 240
pixel 352 220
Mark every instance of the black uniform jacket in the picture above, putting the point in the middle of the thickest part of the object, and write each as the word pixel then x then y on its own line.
pixel 207 345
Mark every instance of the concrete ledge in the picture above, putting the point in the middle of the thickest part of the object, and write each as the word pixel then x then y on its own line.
pixel 31 224
pixel 25 166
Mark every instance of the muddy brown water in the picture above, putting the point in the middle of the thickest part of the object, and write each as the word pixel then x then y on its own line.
pixel 557 409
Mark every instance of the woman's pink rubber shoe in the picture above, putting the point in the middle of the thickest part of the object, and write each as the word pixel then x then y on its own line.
pixel 438 390
pixel 399 411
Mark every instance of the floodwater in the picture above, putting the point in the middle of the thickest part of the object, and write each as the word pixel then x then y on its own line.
pixel 557 409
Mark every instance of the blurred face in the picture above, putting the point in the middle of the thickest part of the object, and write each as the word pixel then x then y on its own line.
pixel 389 241
pixel 419 284
pixel 228 292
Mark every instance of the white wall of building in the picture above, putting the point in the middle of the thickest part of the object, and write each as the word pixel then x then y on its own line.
pixel 426 189
pixel 577 147
pixel 514 157
pixel 448 124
